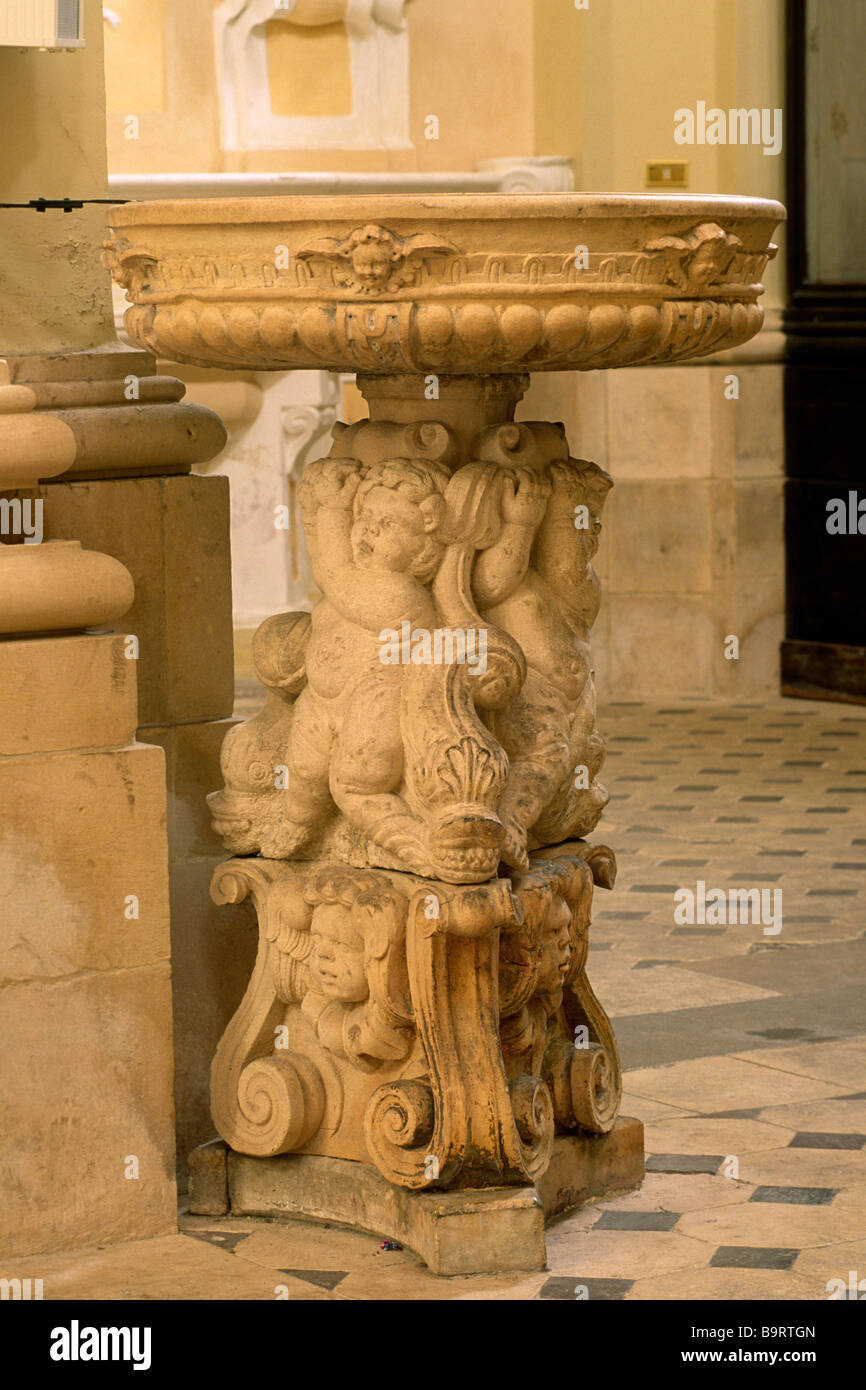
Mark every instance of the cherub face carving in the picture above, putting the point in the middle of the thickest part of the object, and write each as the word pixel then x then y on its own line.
pixel 555 946
pixel 398 509
pixel 336 961
pixel 388 531
pixel 372 257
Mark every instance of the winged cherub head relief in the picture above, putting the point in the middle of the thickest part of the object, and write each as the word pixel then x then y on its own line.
pixel 372 258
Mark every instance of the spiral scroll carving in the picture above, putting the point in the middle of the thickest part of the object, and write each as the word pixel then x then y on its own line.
pixel 398 1126
pixel 280 1103
pixel 533 1114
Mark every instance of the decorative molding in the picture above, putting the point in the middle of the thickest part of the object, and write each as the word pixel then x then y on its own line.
pixel 58 587
pixel 95 414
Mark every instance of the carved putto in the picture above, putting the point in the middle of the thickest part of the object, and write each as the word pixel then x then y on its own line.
pixel 372 258
pixel 436 713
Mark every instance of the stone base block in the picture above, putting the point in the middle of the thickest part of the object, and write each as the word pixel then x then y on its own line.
pixel 475 1231
pixel 583 1166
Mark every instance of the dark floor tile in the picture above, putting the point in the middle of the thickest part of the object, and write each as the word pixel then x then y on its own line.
pixel 751 1113
pixel 860 868
pixel 806 830
pixel 782 1034
pixel 684 1163
pixel 322 1278
pixel 762 798
pixel 795 1196
pixel 684 863
pixel 736 820
pixel 651 964
pixel 753 1257
pixel 611 915
pixel 827 810
pixel 653 888
pixel 697 931
pixel 637 1221
pixel 690 787
pixel 781 853
pixel 831 892
pixel 814 1139
pixel 226 1240
pixel 571 1287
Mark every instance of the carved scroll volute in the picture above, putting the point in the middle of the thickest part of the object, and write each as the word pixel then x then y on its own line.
pixel 583 1071
pixel 262 1102
pixel 466 1126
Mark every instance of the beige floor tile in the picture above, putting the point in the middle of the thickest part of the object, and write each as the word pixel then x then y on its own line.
pixel 659 1192
pixel 767 1224
pixel 723 1285
pixel 852 1200
pixel 723 1083
pixel 823 1116
pixel 646 1110
pixel 527 1288
pixel 664 988
pixel 843 1063
pixel 621 1254
pixel 704 1136
pixel 835 1262
pixel 419 1285
pixel 167 1267
pixel 306 1245
pixel 803 1167
pixel 683 1192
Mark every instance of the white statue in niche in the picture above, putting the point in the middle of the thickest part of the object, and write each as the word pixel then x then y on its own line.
pixel 379 67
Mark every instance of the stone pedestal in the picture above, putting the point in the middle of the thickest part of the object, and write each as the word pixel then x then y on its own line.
pixel 419 1050
pixel 468 1231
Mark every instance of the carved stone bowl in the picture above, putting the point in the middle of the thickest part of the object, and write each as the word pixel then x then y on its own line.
pixel 479 283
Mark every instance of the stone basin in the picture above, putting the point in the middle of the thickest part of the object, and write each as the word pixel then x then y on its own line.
pixel 480 283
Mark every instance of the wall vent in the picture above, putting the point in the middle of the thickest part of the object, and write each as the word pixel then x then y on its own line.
pixel 41 23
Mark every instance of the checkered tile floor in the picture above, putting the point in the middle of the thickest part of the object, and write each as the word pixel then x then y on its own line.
pixel 744 1052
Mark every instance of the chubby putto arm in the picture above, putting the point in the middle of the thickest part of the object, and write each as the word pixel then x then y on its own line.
pixel 500 569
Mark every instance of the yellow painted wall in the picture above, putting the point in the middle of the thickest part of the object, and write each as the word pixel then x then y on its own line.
pixel 309 70
pixel 135 56
pixel 56 294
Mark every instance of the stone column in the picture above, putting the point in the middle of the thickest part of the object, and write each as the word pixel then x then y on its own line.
pixel 95 456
